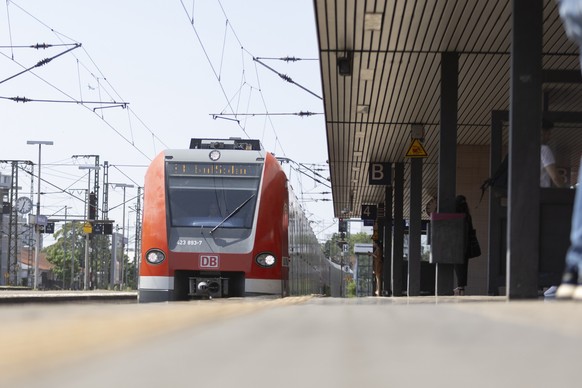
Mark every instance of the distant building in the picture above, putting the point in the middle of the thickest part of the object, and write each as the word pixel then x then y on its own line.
pixel 26 265
pixel 19 270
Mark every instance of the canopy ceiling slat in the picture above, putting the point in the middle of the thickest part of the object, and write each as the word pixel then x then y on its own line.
pixel 395 51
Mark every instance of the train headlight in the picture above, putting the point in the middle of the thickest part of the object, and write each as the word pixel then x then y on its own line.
pixel 155 256
pixel 266 260
pixel 214 155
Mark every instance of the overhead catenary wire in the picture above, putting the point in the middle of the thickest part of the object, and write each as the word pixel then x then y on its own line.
pixel 289 59
pixel 216 74
pixel 300 113
pixel 154 135
pixel 223 47
pixel 73 192
pixel 286 78
pixel 277 142
pixel 61 190
pixel 108 89
pixel 36 46
pixel 69 96
pixel 301 166
pixel 117 96
pixel 103 119
pixel 308 199
pixel 80 102
pixel 41 63
pixel 123 203
pixel 9 29
pixel 79 79
pixel 124 174
pixel 60 35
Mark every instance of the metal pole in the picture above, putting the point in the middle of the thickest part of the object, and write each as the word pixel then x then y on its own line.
pixel 65 247
pixel 137 251
pixel 37 234
pixel 86 274
pixel 73 246
pixel 341 282
pixel 127 248
pixel 122 260
pixel 122 265
pixel 36 229
pixel 113 260
pixel 87 216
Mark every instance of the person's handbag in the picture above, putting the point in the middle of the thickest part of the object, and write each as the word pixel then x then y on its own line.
pixel 474 249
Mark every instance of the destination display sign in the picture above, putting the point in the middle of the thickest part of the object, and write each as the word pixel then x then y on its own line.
pixel 215 169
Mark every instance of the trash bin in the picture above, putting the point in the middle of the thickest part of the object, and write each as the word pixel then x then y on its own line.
pixel 447 238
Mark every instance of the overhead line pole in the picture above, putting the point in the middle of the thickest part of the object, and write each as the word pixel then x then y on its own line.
pixel 36 225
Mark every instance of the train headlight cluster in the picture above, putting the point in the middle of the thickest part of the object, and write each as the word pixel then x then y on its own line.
pixel 155 256
pixel 266 260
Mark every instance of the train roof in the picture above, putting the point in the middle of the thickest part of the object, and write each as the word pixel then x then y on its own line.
pixel 226 144
pixel 212 150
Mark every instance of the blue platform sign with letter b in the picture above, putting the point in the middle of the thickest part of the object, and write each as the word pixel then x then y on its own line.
pixel 380 173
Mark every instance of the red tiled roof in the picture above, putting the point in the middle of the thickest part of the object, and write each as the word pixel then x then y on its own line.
pixel 26 256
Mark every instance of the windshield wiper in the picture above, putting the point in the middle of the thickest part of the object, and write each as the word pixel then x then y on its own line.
pixel 233 213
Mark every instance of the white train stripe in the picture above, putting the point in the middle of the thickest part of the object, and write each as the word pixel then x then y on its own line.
pixel 156 282
pixel 263 286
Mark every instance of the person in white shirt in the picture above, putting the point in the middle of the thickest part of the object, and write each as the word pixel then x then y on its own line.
pixel 548 172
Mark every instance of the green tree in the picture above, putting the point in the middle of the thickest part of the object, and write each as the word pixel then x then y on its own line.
pixel 332 249
pixel 101 261
pixel 130 273
pixel 70 243
pixel 359 238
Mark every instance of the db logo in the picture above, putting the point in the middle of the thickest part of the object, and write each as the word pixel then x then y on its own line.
pixel 208 261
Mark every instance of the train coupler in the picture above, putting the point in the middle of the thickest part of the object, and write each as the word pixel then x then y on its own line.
pixel 204 287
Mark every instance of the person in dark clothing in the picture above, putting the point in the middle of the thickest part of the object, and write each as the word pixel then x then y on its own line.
pixel 461 270
pixel 378 260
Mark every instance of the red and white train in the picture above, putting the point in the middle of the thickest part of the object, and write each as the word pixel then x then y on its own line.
pixel 219 220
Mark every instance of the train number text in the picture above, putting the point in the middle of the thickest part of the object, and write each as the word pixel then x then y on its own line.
pixel 187 242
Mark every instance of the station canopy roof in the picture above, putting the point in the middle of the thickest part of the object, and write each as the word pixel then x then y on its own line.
pixel 394 48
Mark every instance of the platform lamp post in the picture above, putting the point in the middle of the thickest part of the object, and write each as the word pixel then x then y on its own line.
pixel 122 266
pixel 88 209
pixel 36 226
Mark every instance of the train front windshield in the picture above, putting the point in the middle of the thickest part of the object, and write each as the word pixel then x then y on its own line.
pixel 213 195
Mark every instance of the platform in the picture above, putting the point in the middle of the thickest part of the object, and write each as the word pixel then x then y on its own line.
pixel 295 342
pixel 15 295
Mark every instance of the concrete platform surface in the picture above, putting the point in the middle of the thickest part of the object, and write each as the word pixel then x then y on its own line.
pixel 12 295
pixel 295 342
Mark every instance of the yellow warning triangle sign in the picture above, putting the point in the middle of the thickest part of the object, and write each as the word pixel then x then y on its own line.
pixel 416 150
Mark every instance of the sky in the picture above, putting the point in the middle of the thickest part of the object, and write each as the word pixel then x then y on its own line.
pixel 150 75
